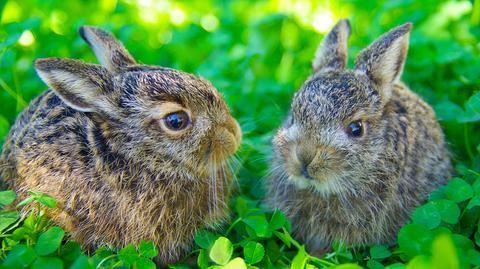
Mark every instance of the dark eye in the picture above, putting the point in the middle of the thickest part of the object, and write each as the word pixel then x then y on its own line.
pixel 355 129
pixel 177 121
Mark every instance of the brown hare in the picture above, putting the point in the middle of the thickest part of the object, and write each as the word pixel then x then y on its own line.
pixel 359 150
pixel 129 151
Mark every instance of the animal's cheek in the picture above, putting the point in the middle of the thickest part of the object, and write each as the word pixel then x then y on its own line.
pixel 281 145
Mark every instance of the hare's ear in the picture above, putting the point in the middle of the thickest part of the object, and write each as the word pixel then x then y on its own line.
pixel 82 86
pixel 383 60
pixel 333 51
pixel 109 51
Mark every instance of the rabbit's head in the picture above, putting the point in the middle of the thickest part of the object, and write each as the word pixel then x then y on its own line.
pixel 335 129
pixel 147 113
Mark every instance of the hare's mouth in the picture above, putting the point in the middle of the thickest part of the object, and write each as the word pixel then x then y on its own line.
pixel 223 145
pixel 326 185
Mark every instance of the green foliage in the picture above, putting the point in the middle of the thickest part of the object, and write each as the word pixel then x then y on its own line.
pixel 257 53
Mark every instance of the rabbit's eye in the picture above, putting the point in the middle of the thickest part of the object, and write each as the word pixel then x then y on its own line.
pixel 355 129
pixel 177 121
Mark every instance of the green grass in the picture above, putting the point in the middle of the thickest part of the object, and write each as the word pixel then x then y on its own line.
pixel 257 53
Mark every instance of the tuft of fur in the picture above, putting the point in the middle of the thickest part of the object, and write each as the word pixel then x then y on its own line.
pixel 359 190
pixel 96 141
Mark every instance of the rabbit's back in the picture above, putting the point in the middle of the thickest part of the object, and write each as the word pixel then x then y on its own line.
pixel 46 134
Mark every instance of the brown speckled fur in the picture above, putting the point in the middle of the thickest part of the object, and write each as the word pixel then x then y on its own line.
pixel 357 190
pixel 95 143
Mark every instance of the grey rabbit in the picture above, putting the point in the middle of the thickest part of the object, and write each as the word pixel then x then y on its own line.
pixel 359 150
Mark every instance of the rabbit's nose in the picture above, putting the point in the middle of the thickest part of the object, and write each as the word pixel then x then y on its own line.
pixel 305 157
pixel 304 171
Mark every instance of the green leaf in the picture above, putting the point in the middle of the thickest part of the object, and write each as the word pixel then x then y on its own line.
pixel 458 190
pixel 444 254
pixel 449 211
pixel 300 260
pixel 278 220
pixel 49 241
pixel 47 263
pixel 8 218
pixel 221 251
pixel 202 260
pixel 144 263
pixel 395 266
pixel 242 206
pixel 427 215
pixel 47 200
pixel 26 201
pixel 379 252
pixel 20 256
pixel 70 251
pixel 462 242
pixel 128 255
pixel 414 239
pixel 258 223
pixel 373 264
pixel 205 239
pixel 472 109
pixel 7 197
pixel 420 262
pixel 103 252
pixel 475 201
pixel 348 266
pixel 476 184
pixel 253 252
pixel 447 111
pixel 237 263
pixel 284 237
pixel 4 124
pixel 148 249
pixel 477 238
pixel 82 262
pixel 474 257
pixel 273 250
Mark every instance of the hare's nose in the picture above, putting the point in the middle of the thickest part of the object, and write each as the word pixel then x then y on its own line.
pixel 304 171
pixel 305 157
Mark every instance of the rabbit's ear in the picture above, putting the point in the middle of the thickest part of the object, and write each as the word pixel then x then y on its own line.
pixel 333 51
pixel 82 86
pixel 383 60
pixel 109 51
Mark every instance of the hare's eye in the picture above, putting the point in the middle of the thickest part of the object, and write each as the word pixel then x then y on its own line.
pixel 177 121
pixel 356 129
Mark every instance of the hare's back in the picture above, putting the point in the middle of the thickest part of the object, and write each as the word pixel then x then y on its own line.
pixel 418 138
pixel 47 142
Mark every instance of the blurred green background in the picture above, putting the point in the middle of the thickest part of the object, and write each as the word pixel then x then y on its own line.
pixel 257 53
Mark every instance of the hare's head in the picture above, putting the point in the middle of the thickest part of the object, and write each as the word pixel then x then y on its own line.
pixel 154 111
pixel 335 129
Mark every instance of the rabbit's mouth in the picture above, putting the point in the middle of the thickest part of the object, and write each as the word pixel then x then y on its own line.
pixel 328 184
pixel 225 142
pixel 325 177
